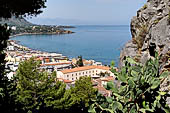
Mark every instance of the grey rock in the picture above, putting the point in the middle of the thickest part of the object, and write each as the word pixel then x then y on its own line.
pixel 156 17
pixel 130 49
pixel 144 57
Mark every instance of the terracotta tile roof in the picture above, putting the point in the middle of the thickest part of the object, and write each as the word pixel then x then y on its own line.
pixel 109 78
pixel 64 80
pixel 39 58
pixel 53 64
pixel 84 68
pixel 67 81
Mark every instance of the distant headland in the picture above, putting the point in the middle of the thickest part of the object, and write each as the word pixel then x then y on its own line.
pixel 20 26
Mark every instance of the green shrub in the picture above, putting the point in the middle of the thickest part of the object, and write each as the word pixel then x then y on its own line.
pixel 156 21
pixel 145 6
pixel 139 90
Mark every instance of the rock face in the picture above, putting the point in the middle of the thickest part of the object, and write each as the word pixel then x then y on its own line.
pixel 150 31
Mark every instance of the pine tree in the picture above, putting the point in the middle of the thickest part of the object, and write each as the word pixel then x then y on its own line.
pixel 82 93
pixel 40 92
pixel 9 8
pixel 80 61
pixel 55 95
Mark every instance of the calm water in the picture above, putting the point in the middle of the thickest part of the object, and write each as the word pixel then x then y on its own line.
pixel 101 43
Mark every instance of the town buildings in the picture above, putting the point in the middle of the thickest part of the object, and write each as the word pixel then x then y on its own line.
pixel 64 67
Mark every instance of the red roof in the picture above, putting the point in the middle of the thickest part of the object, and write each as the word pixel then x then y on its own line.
pixel 64 80
pixel 67 81
pixel 53 64
pixel 109 78
pixel 84 68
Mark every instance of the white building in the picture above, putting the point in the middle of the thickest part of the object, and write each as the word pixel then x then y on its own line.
pixel 50 67
pixel 14 28
pixel 76 73
pixel 10 48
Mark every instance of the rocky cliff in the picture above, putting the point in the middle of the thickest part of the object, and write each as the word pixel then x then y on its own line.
pixel 150 31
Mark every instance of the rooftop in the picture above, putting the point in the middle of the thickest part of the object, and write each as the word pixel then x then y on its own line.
pixel 84 68
pixel 53 64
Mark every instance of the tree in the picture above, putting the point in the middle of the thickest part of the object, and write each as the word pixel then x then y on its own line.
pixel 4 35
pixel 55 97
pixel 139 91
pixel 38 91
pixel 28 81
pixel 5 101
pixel 82 93
pixel 9 8
pixel 80 61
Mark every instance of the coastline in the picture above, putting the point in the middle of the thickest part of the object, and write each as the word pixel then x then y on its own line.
pixel 83 34
pixel 20 46
pixel 54 33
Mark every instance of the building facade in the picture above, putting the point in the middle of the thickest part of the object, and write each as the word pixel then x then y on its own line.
pixel 76 73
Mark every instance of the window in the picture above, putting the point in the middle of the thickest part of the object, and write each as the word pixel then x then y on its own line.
pixel 93 71
pixel 89 71
pixel 83 73
pixel 76 74
pixel 67 75
pixel 72 78
pixel 86 72
pixel 79 73
pixel 72 75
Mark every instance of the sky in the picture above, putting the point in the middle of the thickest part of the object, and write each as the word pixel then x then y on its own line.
pixel 88 12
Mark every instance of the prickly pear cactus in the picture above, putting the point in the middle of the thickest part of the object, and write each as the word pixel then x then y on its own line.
pixel 139 90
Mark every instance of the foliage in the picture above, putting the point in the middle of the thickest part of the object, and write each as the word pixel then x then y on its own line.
pixel 113 70
pixel 80 61
pixel 37 91
pixel 9 8
pixel 145 6
pixel 83 92
pixel 4 36
pixel 112 63
pixel 139 91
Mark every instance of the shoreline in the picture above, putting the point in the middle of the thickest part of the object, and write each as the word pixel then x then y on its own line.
pixel 20 46
pixel 54 33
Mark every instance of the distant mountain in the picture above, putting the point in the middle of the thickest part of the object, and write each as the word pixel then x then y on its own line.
pixel 56 21
pixel 20 21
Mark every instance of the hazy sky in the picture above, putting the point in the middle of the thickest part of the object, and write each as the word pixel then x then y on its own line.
pixel 112 12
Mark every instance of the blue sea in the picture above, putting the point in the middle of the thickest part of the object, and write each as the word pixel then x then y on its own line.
pixel 100 43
